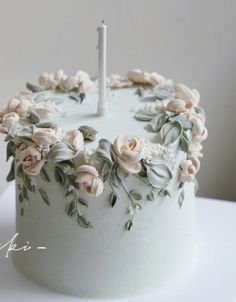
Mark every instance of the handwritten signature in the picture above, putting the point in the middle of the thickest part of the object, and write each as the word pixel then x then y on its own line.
pixel 11 246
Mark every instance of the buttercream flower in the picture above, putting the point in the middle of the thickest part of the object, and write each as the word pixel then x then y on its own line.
pixel 129 154
pixel 44 109
pixel 89 180
pixel 75 138
pixel 138 76
pixel 32 160
pixel 189 168
pixel 117 81
pixel 199 130
pixel 191 97
pixel 84 82
pixel 177 106
pixel 48 80
pixel 20 104
pixel 69 83
pixel 10 119
pixel 46 136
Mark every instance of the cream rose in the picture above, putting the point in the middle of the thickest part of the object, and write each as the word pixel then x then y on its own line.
pixel 89 180
pixel 129 154
pixel 32 160
pixel 177 106
pixel 191 97
pixel 48 80
pixel 9 120
pixel 138 76
pixel 189 168
pixel 199 130
pixel 75 138
pixel 46 136
pixel 20 104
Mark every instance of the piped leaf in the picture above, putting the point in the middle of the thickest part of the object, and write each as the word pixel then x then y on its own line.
pixel 60 152
pixel 44 196
pixel 170 132
pixel 158 121
pixel 159 175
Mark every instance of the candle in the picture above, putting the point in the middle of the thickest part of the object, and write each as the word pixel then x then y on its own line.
pixel 102 45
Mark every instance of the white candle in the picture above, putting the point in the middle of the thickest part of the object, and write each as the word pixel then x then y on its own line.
pixel 102 66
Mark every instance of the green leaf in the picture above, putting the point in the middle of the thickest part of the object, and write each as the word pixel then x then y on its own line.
pixel 129 225
pixel 27 182
pixel 11 147
pixel 113 199
pixel 161 93
pixel 150 196
pixel 143 116
pixel 25 193
pixel 71 209
pixel 158 175
pixel 72 181
pixel 158 121
pixel 34 88
pixel 22 211
pixel 46 125
pixel 44 174
pixel 21 198
pixel 11 174
pixel 60 176
pixel 186 124
pixel 77 97
pixel 140 92
pixel 135 195
pixel 170 132
pixel 164 193
pixel 83 222
pixel 61 152
pixel 83 202
pixel 89 133
pixel 34 117
pixel 44 196
pixel 184 143
pixel 181 198
pixel 19 171
pixel 104 150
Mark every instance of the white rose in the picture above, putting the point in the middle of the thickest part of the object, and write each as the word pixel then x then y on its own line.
pixel 129 154
pixel 140 77
pixel 20 104
pixel 89 180
pixel 189 168
pixel 32 160
pixel 48 81
pixel 46 136
pixel 75 138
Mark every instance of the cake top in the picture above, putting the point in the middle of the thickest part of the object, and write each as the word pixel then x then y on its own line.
pixel 151 121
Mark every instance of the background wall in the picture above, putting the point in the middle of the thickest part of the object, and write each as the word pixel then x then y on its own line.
pixel 189 41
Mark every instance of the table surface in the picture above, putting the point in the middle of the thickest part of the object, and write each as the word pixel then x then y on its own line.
pixel 214 278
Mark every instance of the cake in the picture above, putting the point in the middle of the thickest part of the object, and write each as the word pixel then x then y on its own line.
pixel 105 203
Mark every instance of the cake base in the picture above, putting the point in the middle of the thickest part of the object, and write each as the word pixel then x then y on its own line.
pixel 107 261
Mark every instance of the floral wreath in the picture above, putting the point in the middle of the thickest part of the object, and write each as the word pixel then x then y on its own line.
pixel 172 112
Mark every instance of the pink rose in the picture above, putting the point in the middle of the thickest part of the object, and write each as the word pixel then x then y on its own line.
pixel 89 180
pixel 32 160
pixel 189 168
pixel 9 120
pixel 177 106
pixel 20 104
pixel 46 136
pixel 129 154
pixel 75 138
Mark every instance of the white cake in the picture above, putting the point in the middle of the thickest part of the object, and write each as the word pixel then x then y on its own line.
pixel 110 198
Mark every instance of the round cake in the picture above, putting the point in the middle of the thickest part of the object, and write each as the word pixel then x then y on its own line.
pixel 106 203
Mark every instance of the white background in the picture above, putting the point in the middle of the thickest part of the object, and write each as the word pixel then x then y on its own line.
pixel 189 41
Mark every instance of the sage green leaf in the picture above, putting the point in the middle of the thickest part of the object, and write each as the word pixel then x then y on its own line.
pixel 60 152
pixel 44 174
pixel 129 224
pixel 34 117
pixel 46 125
pixel 27 182
pixel 170 132
pixel 71 209
pixel 34 88
pixel 11 148
pixel 44 196
pixel 60 176
pixel 83 202
pixel 181 198
pixel 24 131
pixel 200 110
pixel 145 117
pixel 19 170
pixel 140 92
pixel 135 195
pixel 186 124
pixel 158 121
pixel 22 211
pixel 83 222
pixel 104 150
pixel 159 175
pixel 21 198
pixel 78 97
pixel 150 196
pixel 161 93
pixel 164 193
pixel 113 199
pixel 184 143
pixel 11 174
pixel 25 193
pixel 89 133
pixel 121 174
pixel 72 181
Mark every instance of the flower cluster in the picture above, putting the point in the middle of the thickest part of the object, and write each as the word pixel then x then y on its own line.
pixel 80 82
